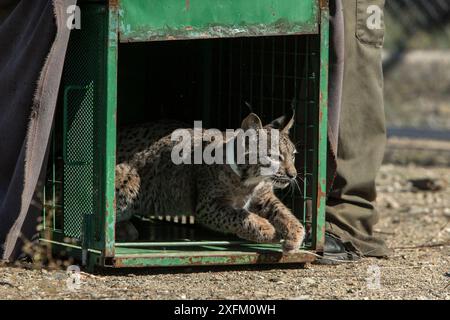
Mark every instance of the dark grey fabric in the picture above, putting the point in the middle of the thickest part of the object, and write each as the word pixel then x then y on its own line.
pixel 335 84
pixel 33 41
pixel 351 213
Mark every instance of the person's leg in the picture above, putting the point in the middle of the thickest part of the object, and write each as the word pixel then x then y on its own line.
pixel 361 137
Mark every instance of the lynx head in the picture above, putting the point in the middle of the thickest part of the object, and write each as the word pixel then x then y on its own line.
pixel 275 156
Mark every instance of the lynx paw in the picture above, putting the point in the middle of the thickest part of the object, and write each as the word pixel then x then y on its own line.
pixel 267 232
pixel 257 229
pixel 294 242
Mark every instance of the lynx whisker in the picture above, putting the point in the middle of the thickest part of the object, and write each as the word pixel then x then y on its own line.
pixel 298 186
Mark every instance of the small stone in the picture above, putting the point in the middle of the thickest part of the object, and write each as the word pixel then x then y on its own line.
pixel 309 281
pixel 447 212
pixel 391 203
pixel 395 220
pixel 397 186
pixel 417 210
pixel 390 189
pixel 303 297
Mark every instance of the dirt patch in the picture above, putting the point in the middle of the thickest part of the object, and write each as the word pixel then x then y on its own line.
pixel 414 223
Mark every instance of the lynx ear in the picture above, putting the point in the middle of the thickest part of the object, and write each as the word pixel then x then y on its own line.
pixel 284 123
pixel 252 121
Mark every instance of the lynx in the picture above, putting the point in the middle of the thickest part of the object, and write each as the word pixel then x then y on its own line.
pixel 232 199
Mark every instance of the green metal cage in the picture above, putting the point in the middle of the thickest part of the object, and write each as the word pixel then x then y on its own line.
pixel 142 60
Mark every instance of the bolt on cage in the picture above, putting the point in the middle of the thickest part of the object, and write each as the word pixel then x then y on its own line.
pixel 123 67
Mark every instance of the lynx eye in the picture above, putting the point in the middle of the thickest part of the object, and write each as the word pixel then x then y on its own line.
pixel 276 157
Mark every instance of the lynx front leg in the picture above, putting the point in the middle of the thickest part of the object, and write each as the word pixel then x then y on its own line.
pixel 267 205
pixel 244 224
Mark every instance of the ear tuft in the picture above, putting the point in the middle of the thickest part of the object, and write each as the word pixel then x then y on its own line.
pixel 249 106
pixel 252 121
pixel 284 123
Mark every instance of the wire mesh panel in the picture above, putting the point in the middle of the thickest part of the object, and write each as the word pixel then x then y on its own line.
pixel 272 74
pixel 211 81
pixel 78 157
pixel 52 194
pixel 72 187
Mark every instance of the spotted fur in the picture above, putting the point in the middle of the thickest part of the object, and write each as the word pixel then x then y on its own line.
pixel 149 183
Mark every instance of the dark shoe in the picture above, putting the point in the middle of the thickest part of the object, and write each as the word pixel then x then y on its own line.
pixel 335 252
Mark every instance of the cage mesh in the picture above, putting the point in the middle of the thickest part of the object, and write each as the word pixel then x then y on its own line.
pixel 78 159
pixel 72 187
pixel 272 74
pixel 203 79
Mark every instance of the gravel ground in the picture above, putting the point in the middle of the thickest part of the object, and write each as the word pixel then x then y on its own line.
pixel 414 223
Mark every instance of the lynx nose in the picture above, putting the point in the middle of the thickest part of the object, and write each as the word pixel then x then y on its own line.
pixel 291 174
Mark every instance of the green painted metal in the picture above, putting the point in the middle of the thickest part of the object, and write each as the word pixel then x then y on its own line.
pixel 178 244
pixel 319 221
pixel 69 245
pixel 184 248
pixel 204 258
pixel 177 259
pixel 109 142
pixel 147 20
pixel 72 186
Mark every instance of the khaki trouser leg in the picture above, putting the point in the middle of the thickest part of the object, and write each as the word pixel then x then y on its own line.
pixel 361 140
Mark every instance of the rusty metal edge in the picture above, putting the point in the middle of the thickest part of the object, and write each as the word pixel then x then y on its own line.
pixel 160 260
pixel 324 4
pixel 205 35
pixel 319 222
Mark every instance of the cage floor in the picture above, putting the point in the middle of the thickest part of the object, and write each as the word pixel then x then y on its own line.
pixel 187 245
pixel 129 258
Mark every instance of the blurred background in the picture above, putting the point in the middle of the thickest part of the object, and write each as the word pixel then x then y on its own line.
pixel 417 81
pixel 414 182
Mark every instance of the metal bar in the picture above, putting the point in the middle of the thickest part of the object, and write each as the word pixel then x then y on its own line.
pixel 230 83
pixel 180 244
pixel 144 20
pixel 305 129
pixel 261 84
pixel 319 222
pixel 241 67
pixel 44 205
pixel 207 67
pixel 273 76
pixel 68 245
pixel 284 75
pixel 108 138
pixel 209 258
pixel 53 179
pixel 251 69
pixel 220 94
